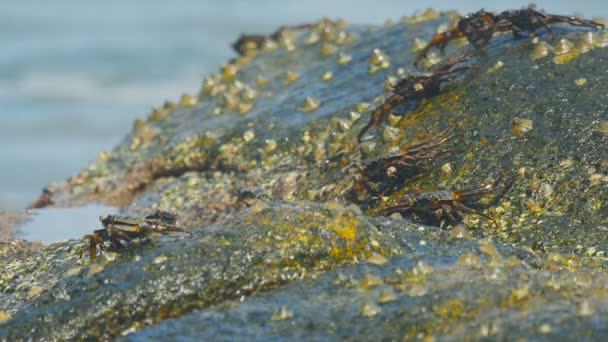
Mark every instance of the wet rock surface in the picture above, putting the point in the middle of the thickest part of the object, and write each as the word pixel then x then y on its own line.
pixel 256 165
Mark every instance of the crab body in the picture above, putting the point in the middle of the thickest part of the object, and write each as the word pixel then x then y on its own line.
pixel 479 27
pixel 435 207
pixel 120 231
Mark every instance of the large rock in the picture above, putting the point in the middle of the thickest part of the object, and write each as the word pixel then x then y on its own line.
pixel 276 124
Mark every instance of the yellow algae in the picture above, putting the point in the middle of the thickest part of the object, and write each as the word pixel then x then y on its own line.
pixel 4 316
pixel 346 232
pixel 565 58
pixel 451 309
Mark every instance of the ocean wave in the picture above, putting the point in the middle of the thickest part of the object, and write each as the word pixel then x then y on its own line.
pixel 86 88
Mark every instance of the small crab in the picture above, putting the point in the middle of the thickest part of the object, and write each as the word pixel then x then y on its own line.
pixel 414 88
pixel 530 20
pixel 432 208
pixel 384 175
pixel 477 27
pixel 119 231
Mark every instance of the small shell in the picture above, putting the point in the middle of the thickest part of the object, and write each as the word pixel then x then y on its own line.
pixel 563 46
pixel 327 76
pixel 229 72
pixel 328 50
pixel 291 77
pixel 344 58
pixel 541 50
pixel 261 81
pixel 369 309
pixel 521 126
pixel 188 101
pixel 496 66
pixel 418 44
pixel 378 60
pixel 249 135
pixel 312 38
pixel 310 104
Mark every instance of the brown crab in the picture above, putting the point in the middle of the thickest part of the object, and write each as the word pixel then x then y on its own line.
pixel 414 88
pixel 479 27
pixel 530 20
pixel 432 208
pixel 119 231
pixel 386 174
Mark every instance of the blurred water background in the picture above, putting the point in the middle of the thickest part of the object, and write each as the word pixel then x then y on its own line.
pixel 75 74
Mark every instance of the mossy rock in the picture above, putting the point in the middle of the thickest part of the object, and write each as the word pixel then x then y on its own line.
pixel 282 122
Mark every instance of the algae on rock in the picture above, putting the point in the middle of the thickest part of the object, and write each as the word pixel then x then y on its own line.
pixel 281 122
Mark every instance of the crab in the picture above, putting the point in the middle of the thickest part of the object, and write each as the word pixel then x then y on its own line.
pixel 479 27
pixel 386 174
pixel 530 20
pixel 119 231
pixel 414 88
pixel 433 208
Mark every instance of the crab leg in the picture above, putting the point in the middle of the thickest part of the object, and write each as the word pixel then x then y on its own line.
pixel 468 210
pixel 379 113
pixel 440 40
pixel 574 21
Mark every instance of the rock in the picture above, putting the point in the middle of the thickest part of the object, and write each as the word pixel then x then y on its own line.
pixel 286 252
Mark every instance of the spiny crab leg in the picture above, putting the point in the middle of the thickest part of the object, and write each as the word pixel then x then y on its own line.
pixel 440 40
